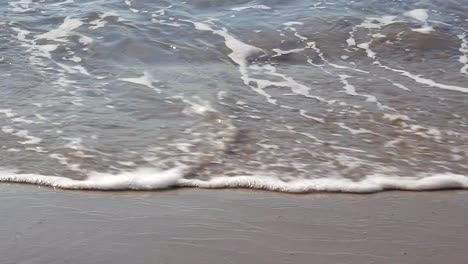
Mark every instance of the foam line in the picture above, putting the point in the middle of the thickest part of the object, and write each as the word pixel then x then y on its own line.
pixel 21 134
pixel 351 90
pixel 140 179
pixel 155 18
pixel 280 52
pixel 417 78
pixel 425 81
pixel 63 3
pixel 418 14
pixel 101 22
pixel 21 5
pixel 152 179
pixel 7 112
pixel 240 51
pixel 378 22
pixel 421 16
pixel 69 24
pixel 368 185
pixel 313 45
pixel 464 50
pixel 288 82
pixel 355 131
pixel 264 7
pixel 401 86
pixel 146 80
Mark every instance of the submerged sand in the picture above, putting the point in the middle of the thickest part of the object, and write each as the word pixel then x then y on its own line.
pixel 43 225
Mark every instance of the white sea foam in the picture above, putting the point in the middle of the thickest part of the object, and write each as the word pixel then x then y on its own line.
pixel 22 119
pixel 313 45
pixel 464 50
pixel 349 89
pixel 378 22
pixel 68 25
pixel 286 81
pixel 351 41
pixel 378 35
pixel 146 80
pixel 418 14
pixel 21 5
pixel 196 105
pixel 140 179
pixel 21 134
pixel 44 50
pixel 368 185
pixel 240 51
pixel 421 16
pixel 317 6
pixel 63 3
pixel 156 18
pixel 317 119
pixel 73 69
pixel 280 52
pixel 73 58
pixel 366 46
pixel 85 40
pixel 22 33
pixel 153 179
pixel 58 35
pixel 101 22
pixel 293 23
pixel 7 112
pixel 417 78
pixel 399 85
pixel 355 131
pixel 264 7
pixel 395 117
pixel 426 81
pixel 425 29
pixel 370 23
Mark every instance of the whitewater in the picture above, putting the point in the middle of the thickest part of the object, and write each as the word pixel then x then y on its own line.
pixel 288 96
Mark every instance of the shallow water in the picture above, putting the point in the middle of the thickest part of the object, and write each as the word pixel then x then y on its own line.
pixel 294 96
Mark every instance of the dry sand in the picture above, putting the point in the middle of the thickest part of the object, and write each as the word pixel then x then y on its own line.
pixel 46 226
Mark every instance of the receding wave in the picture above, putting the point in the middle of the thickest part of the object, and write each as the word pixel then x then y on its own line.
pixel 145 179
pixel 288 96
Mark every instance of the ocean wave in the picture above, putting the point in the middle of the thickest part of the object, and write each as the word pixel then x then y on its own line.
pixel 145 179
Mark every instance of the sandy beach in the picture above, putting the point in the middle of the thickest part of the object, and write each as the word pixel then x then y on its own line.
pixel 43 225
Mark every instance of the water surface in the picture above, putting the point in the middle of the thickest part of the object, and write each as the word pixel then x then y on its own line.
pixel 294 96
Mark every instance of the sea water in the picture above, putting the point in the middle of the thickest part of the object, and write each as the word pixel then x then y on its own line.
pixel 291 96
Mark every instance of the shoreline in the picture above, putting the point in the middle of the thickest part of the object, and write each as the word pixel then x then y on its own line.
pixel 45 225
pixel 232 189
pixel 138 180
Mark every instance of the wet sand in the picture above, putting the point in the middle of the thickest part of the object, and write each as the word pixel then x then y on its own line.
pixel 43 225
